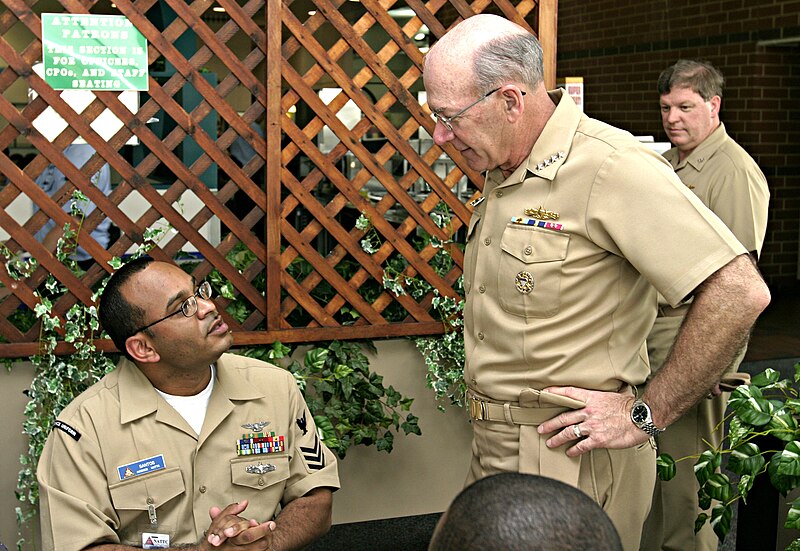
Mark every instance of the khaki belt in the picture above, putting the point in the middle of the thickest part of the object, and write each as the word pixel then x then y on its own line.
pixel 481 410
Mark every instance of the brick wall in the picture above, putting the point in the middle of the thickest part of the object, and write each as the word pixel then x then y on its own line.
pixel 619 47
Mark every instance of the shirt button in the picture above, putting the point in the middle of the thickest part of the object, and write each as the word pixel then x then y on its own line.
pixel 482 288
pixel 528 250
pixel 474 381
pixel 487 241
pixel 202 489
pixel 480 335
pixel 260 481
pixel 500 193
pixel 150 501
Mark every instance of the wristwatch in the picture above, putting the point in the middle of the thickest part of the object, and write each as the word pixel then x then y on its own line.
pixel 643 418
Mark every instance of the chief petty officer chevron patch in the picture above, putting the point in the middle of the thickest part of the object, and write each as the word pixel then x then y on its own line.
pixel 313 456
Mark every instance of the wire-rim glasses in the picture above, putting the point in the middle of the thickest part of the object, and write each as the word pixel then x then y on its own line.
pixel 448 121
pixel 188 307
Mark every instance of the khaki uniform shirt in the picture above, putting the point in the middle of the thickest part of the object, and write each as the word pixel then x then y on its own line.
pixel 728 181
pixel 119 449
pixel 570 303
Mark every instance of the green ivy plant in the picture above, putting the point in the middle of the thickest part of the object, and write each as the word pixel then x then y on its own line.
pixel 443 354
pixel 59 378
pixel 768 407
pixel 349 403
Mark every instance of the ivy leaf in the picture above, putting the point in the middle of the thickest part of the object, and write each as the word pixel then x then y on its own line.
pixel 341 371
pixel 411 425
pixel 793 516
pixel 386 442
pixel 745 485
pixel 665 467
pixel 746 459
pixel 707 465
pixel 783 426
pixel 784 468
pixel 315 359
pixel 766 378
pixel 278 351
pixel 700 521
pixel 721 520
pixel 719 487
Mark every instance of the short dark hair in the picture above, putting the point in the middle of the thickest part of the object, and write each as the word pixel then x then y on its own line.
pixel 700 76
pixel 118 317
pixel 514 511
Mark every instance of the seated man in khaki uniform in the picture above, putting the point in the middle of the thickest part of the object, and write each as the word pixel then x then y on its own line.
pixel 151 456
pixel 729 182
pixel 577 228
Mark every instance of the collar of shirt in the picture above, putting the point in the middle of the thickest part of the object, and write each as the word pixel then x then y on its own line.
pixel 138 397
pixel 551 148
pixel 702 153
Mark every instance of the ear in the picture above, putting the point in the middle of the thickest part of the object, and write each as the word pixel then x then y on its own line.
pixel 716 103
pixel 514 102
pixel 141 349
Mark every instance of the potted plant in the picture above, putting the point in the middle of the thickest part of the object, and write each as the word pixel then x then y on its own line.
pixel 765 411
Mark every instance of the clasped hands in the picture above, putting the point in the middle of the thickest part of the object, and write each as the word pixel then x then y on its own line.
pixel 229 530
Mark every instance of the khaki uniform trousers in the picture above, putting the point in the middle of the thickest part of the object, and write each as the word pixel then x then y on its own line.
pixel 621 481
pixel 670 525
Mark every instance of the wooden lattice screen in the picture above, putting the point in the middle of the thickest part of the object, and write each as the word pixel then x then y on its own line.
pixel 327 95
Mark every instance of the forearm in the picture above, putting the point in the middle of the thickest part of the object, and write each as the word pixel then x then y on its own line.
pixel 303 520
pixel 715 329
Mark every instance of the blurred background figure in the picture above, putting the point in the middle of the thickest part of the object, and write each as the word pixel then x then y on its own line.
pixel 51 180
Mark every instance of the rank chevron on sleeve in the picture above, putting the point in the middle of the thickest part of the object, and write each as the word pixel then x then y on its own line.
pixel 313 456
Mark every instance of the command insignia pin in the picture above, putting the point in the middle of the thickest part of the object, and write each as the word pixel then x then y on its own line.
pixel 256 427
pixel 524 282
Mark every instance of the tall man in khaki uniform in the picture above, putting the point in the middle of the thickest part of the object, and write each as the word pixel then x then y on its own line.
pixel 149 456
pixel 728 181
pixel 577 227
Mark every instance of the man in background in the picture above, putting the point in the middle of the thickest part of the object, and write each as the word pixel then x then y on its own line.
pixel 514 511
pixel 729 182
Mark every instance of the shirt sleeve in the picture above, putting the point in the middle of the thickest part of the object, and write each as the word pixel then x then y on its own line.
pixel 75 507
pixel 312 464
pixel 640 210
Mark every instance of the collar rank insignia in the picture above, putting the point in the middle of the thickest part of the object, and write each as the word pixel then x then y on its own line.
pixel 256 427
pixel 258 443
pixel 549 161
pixel 542 214
pixel 302 424
pixel 260 468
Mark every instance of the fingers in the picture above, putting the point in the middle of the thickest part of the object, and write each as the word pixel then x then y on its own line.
pixel 261 533
pixel 227 523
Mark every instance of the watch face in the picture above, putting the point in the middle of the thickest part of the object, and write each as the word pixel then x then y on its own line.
pixel 639 413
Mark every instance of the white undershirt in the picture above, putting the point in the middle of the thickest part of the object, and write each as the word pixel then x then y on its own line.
pixel 192 408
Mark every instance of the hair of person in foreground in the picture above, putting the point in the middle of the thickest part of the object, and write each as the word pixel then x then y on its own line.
pixel 514 511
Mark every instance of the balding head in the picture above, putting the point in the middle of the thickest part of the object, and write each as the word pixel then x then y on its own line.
pixel 491 51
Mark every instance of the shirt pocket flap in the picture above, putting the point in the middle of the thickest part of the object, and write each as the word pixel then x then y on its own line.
pixel 151 489
pixel 529 245
pixel 259 473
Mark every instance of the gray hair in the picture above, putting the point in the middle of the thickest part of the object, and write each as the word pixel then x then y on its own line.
pixel 700 76
pixel 515 57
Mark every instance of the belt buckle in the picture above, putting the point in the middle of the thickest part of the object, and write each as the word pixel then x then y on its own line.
pixel 477 409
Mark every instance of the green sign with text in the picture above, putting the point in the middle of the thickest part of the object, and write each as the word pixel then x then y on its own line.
pixel 93 52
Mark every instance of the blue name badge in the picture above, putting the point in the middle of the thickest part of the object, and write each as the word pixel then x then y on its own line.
pixel 143 466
